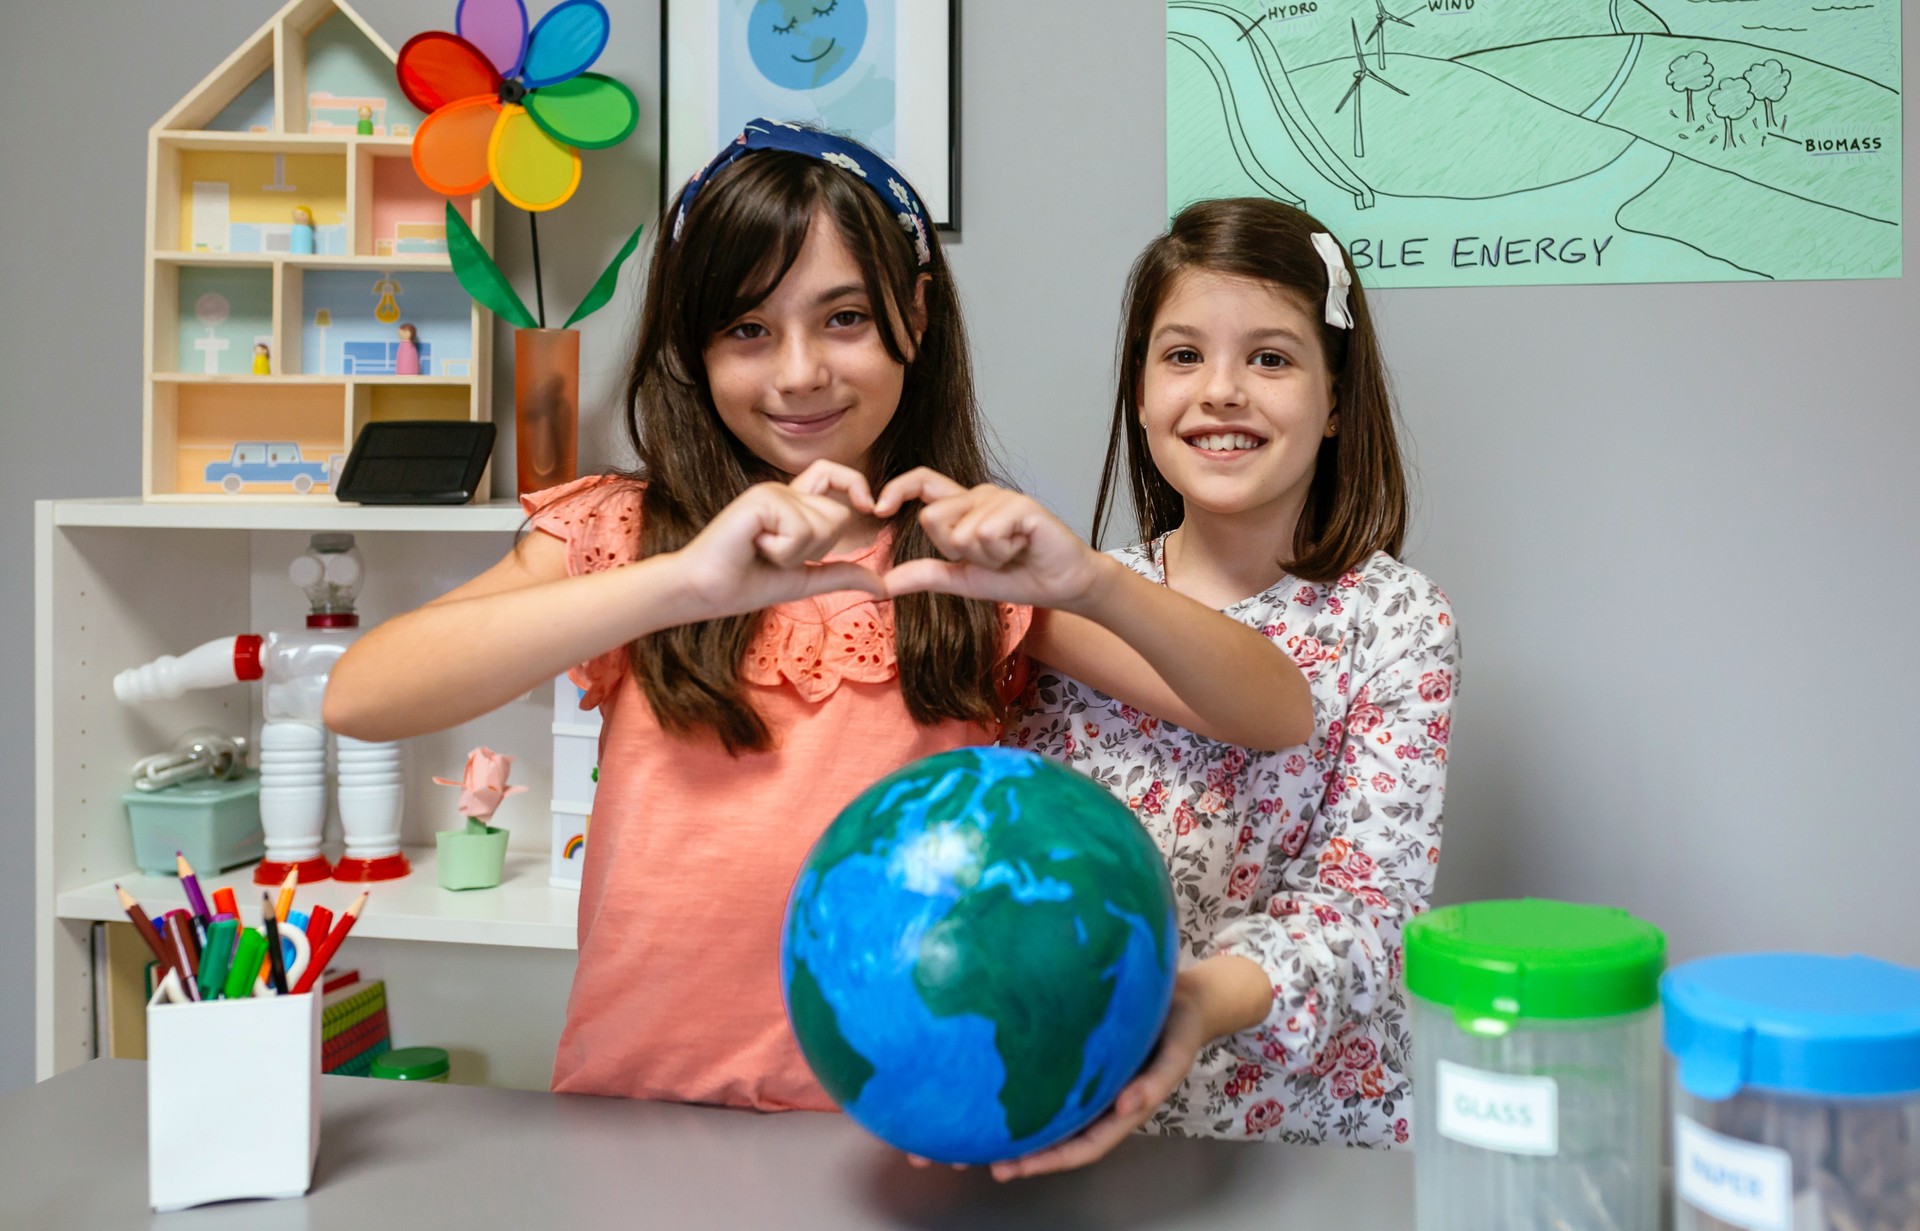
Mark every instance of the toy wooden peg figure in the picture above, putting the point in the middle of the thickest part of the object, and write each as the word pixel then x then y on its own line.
pixel 262 360
pixel 365 125
pixel 406 360
pixel 302 242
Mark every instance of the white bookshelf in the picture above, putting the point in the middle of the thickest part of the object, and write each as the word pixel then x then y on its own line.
pixel 119 582
pixel 132 513
pixel 524 912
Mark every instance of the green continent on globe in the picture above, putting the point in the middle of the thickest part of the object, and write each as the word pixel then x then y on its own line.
pixel 843 1072
pixel 1034 956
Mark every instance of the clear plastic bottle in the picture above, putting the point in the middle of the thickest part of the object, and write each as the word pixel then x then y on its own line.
pixel 293 666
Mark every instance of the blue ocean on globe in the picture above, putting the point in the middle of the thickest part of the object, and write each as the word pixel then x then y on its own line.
pixel 979 954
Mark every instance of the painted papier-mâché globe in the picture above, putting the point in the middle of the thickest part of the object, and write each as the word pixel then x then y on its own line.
pixel 978 954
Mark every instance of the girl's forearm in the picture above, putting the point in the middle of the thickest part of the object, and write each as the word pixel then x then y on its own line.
pixel 458 658
pixel 1232 993
pixel 1229 675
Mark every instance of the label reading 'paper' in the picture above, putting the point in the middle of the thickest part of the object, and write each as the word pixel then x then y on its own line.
pixel 1514 1115
pixel 1736 1181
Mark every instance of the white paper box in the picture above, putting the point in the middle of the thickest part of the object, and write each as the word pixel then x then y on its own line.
pixel 575 760
pixel 569 831
pixel 233 1099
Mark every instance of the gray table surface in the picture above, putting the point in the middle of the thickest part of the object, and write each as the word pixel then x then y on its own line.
pixel 73 1154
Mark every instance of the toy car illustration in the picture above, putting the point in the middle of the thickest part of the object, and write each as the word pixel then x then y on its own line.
pixel 261 461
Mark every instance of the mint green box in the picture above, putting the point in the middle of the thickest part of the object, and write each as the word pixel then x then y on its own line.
pixel 214 823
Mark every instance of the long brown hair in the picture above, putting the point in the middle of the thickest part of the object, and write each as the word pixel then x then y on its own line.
pixel 1357 502
pixel 742 234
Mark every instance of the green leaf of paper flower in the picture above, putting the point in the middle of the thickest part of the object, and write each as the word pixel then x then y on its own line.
pixel 603 285
pixel 479 276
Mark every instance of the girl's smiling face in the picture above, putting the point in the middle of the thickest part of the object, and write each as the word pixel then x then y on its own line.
pixel 1235 395
pixel 805 374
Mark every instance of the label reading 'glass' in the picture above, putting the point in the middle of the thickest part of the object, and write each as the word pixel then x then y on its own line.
pixel 1494 1111
pixel 1736 1181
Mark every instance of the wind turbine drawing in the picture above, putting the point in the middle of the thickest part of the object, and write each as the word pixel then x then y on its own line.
pixel 1380 29
pixel 1353 93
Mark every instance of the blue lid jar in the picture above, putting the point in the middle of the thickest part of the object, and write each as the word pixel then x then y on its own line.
pixel 1794 1023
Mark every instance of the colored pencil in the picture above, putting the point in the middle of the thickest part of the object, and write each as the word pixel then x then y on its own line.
pixel 285 904
pixel 317 925
pixel 276 960
pixel 144 926
pixel 335 937
pixel 224 903
pixel 191 883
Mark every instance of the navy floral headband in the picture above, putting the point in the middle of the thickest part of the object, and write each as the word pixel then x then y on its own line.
pixel 871 169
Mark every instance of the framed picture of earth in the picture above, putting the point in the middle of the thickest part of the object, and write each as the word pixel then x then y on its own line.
pixel 880 71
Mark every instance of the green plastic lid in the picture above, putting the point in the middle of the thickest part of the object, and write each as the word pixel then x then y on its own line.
pixel 411 1064
pixel 1497 963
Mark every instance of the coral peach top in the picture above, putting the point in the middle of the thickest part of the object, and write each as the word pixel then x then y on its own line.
pixel 692 851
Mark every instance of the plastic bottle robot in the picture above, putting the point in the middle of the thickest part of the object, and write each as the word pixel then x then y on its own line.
pixel 294 664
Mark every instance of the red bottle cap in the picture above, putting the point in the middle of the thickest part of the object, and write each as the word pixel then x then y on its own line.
pixel 246 656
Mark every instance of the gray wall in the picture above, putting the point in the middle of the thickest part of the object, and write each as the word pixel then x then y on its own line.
pixel 1678 523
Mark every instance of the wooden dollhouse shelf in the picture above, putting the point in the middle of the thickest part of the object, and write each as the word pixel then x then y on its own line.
pixel 281 143
pixel 288 231
pixel 523 912
pixel 267 260
pixel 325 514
pixel 428 382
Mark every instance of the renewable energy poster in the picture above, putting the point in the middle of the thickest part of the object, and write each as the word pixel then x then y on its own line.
pixel 1502 142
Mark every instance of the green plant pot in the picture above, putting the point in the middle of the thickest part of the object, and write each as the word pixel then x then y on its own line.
pixel 473 859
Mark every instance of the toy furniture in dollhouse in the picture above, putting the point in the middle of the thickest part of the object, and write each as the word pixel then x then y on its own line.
pixel 275 220
pixel 378 358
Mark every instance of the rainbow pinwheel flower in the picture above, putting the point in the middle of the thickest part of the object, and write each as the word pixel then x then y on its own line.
pixel 511 107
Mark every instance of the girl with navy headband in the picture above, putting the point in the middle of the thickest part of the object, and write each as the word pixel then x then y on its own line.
pixel 808 581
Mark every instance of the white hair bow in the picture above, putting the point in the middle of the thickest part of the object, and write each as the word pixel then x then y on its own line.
pixel 1338 279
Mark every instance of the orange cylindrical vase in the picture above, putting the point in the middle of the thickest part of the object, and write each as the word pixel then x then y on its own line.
pixel 546 405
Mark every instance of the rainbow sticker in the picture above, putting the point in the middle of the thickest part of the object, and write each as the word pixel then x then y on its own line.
pixel 574 846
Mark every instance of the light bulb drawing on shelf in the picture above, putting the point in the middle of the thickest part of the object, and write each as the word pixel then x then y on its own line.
pixel 388 292
pixel 211 310
pixel 294 665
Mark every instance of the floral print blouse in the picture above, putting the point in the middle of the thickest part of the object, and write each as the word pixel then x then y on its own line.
pixel 1308 860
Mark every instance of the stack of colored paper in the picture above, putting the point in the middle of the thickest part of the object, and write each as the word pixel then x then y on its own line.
pixel 353 1024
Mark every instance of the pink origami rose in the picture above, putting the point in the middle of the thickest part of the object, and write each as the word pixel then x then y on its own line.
pixel 484 784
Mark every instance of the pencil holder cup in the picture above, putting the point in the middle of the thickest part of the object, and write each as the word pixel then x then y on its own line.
pixel 233 1106
pixel 472 859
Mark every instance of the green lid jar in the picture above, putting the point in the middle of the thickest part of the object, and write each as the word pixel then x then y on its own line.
pixel 1498 963
pixel 1537 1066
pixel 412 1064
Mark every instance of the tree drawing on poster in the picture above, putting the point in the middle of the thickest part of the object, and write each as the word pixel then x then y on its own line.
pixel 1529 142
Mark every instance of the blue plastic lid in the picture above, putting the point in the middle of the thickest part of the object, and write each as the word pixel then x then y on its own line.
pixel 1798 1023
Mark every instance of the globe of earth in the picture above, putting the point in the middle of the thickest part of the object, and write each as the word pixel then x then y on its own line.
pixel 978 954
